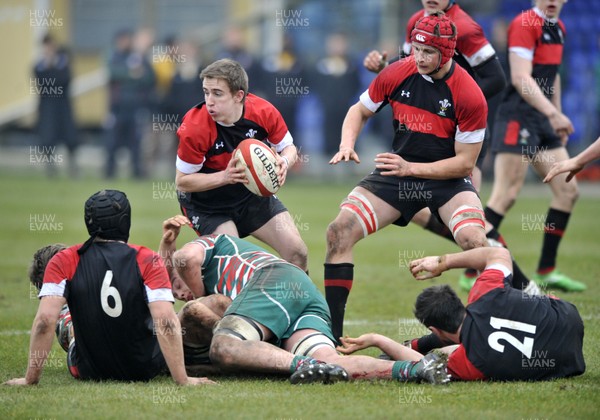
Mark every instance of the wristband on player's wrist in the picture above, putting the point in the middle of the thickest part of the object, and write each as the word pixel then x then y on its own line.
pixel 442 263
pixel 287 162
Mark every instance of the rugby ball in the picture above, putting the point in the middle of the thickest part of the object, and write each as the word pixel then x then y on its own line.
pixel 260 164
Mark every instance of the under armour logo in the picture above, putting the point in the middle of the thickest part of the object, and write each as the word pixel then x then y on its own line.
pixel 219 145
pixel 405 93
pixel 420 38
pixel 251 133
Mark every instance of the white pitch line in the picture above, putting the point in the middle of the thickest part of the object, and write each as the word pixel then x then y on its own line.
pixel 15 332
pixel 381 322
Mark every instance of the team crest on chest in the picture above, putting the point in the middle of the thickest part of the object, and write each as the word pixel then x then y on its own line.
pixel 251 133
pixel 444 105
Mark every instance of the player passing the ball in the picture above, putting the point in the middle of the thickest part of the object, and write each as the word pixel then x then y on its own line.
pixel 211 188
pixel 502 334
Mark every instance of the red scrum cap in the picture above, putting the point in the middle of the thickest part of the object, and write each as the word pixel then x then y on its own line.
pixel 437 31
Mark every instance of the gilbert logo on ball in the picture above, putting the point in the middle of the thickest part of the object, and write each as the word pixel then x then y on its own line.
pixel 260 164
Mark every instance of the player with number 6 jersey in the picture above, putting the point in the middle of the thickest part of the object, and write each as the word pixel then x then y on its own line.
pixel 120 300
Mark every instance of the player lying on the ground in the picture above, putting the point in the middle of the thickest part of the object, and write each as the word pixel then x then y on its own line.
pixel 278 321
pixel 502 334
pixel 135 335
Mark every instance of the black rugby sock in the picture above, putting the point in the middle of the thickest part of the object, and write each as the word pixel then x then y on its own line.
pixel 338 282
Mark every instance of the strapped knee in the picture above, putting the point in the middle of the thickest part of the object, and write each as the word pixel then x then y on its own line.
pixel 363 210
pixel 465 216
pixel 239 327
pixel 308 345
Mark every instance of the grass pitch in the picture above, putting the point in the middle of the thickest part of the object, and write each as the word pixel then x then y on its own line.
pixel 36 211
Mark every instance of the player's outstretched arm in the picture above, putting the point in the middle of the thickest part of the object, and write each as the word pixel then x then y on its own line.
pixel 355 120
pixel 168 242
pixel 168 332
pixel 576 163
pixel 390 347
pixel 477 258
pixel 42 335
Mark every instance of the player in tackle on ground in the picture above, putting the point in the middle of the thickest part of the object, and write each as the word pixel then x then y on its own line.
pixel 277 321
pixel 502 334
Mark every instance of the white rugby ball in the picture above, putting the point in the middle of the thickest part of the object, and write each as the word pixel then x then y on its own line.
pixel 260 164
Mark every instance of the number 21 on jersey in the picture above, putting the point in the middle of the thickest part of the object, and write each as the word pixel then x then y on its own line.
pixel 525 347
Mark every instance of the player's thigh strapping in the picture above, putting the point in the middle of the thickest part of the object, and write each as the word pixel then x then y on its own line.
pixel 409 195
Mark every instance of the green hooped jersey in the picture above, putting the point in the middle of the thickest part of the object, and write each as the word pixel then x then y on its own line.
pixel 230 263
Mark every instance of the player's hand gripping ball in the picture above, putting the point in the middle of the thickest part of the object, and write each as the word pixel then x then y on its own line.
pixel 260 165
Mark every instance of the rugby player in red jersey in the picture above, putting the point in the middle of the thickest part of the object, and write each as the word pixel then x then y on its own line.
pixel 502 334
pixel 211 189
pixel 439 117
pixel 531 129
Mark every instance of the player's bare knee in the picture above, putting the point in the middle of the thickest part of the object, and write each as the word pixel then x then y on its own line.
pixel 298 255
pixel 338 237
pixel 471 238
pixel 221 350
pixel 568 195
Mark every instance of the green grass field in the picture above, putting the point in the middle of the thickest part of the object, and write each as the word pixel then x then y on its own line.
pixel 36 211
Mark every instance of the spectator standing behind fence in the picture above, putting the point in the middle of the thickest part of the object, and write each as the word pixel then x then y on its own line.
pixel 336 80
pixel 56 123
pixel 132 81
